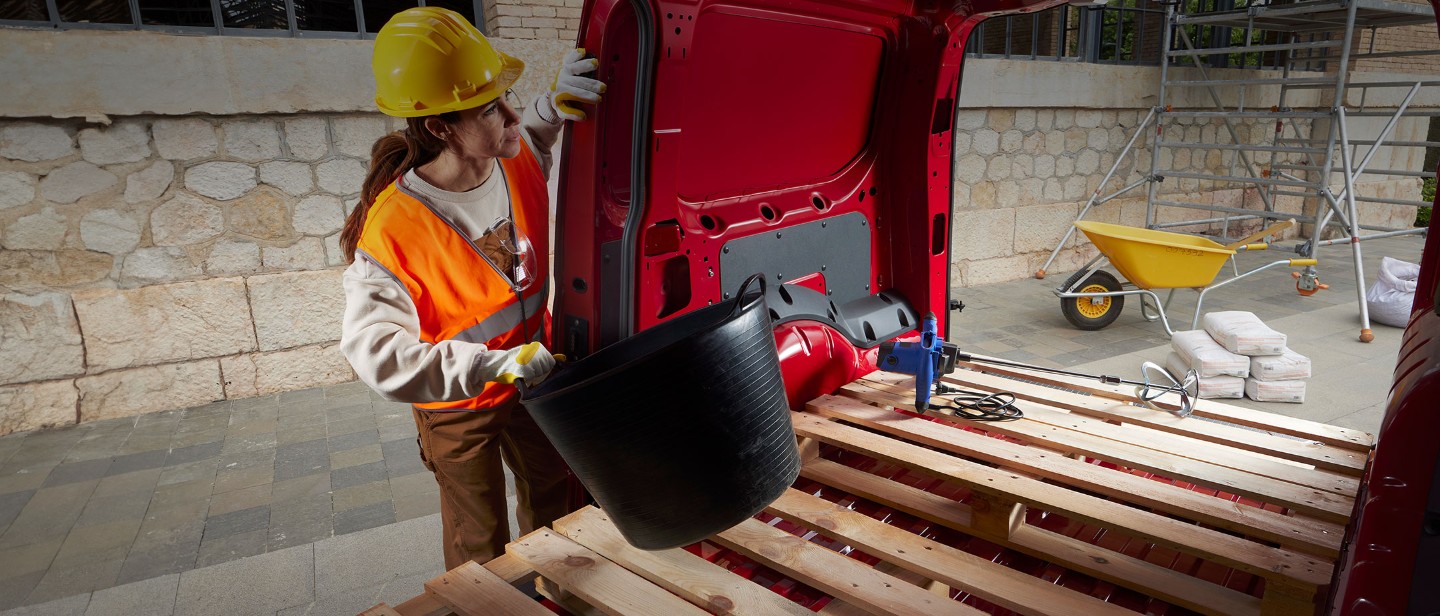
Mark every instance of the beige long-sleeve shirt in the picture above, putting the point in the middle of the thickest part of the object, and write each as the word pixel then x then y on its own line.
pixel 381 328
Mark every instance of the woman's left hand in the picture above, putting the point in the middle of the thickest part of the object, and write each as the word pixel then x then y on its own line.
pixel 571 87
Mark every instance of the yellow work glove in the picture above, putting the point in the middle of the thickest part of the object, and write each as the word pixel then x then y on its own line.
pixel 570 87
pixel 531 363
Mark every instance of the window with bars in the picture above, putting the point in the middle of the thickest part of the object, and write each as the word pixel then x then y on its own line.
pixel 1121 32
pixel 311 18
pixel 1125 32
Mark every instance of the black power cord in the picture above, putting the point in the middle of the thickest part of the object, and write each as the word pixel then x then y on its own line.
pixel 977 405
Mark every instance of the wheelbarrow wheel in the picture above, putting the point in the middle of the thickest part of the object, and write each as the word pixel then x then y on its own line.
pixel 1086 312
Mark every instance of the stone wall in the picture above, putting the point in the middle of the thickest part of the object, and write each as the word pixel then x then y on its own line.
pixel 161 262
pixel 1023 175
pixel 160 251
pixel 533 19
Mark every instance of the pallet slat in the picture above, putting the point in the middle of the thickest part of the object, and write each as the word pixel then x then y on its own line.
pixel 1231 551
pixel 1310 536
pixel 423 605
pixel 472 590
pixel 1357 440
pixel 605 585
pixel 1321 456
pixel 994 583
pixel 1098 562
pixel 678 571
pixel 846 579
pixel 1169 454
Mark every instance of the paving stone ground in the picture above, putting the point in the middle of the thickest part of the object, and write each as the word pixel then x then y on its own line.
pixel 315 501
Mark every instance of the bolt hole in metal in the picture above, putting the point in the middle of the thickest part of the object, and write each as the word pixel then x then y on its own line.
pixel 819 202
pixel 768 213
pixel 708 222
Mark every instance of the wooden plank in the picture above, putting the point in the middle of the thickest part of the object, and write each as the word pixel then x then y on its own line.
pixel 564 598
pixel 1310 536
pixel 841 577
pixel 511 569
pixel 605 585
pixel 1284 600
pixel 913 501
pixel 424 605
pixel 1346 438
pixel 1114 567
pixel 1159 581
pixel 1254 558
pixel 997 584
pixel 472 590
pixel 1306 452
pixel 680 572
pixel 1166 452
pixel 380 610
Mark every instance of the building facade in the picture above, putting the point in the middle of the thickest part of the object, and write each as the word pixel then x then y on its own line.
pixel 171 198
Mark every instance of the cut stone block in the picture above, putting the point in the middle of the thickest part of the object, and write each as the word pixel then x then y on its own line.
pixel 16 188
pixel 122 142
pixel 76 181
pixel 221 180
pixel 259 374
pixel 32 142
pixel 110 231
pixel 43 230
pixel 31 406
pixel 164 323
pixel 125 393
pixel 42 270
pixel 150 183
pixel 297 308
pixel 186 139
pixel 185 220
pixel 158 264
pixel 39 338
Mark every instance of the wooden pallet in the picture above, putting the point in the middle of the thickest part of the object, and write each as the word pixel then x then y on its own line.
pixel 1271 496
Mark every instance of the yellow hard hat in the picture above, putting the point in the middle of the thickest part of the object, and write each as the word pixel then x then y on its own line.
pixel 430 60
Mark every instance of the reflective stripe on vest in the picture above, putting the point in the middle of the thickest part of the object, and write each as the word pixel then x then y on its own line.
pixel 507 318
pixel 457 291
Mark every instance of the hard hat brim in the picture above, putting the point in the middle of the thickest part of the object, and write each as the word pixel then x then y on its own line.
pixel 510 70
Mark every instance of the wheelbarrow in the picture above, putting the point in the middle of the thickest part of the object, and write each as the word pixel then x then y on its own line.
pixel 1092 298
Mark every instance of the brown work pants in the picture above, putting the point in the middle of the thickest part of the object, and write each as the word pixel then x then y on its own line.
pixel 464 450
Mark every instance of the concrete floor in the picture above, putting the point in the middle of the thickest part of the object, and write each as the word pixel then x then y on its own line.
pixel 314 502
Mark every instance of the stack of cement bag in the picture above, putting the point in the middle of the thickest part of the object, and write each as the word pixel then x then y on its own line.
pixel 1237 355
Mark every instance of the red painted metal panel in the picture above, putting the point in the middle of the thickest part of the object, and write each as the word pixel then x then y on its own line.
pixel 1391 563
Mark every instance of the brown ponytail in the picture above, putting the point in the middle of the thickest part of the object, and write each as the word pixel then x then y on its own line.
pixel 390 157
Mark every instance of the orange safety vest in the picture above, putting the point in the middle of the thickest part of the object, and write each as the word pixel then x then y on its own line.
pixel 459 292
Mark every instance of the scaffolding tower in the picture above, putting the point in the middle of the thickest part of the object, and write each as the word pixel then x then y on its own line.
pixel 1309 111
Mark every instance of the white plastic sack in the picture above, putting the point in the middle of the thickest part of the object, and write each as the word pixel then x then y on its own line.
pixel 1244 333
pixel 1288 366
pixel 1275 391
pixel 1393 293
pixel 1211 387
pixel 1207 357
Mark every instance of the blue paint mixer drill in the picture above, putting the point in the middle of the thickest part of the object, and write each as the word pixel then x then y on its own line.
pixel 930 358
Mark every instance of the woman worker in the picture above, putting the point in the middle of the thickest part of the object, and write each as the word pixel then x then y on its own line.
pixel 447 290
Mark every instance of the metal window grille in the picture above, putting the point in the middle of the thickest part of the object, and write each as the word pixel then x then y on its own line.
pixel 1125 32
pixel 293 18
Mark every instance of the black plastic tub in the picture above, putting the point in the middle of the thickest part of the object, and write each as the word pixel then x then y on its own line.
pixel 680 431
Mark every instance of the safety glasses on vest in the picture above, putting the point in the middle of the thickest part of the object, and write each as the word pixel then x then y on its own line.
pixel 517 250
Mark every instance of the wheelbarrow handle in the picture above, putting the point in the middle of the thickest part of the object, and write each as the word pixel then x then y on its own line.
pixel 1270 230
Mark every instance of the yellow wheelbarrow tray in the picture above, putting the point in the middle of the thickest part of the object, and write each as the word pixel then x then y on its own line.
pixel 1149 259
